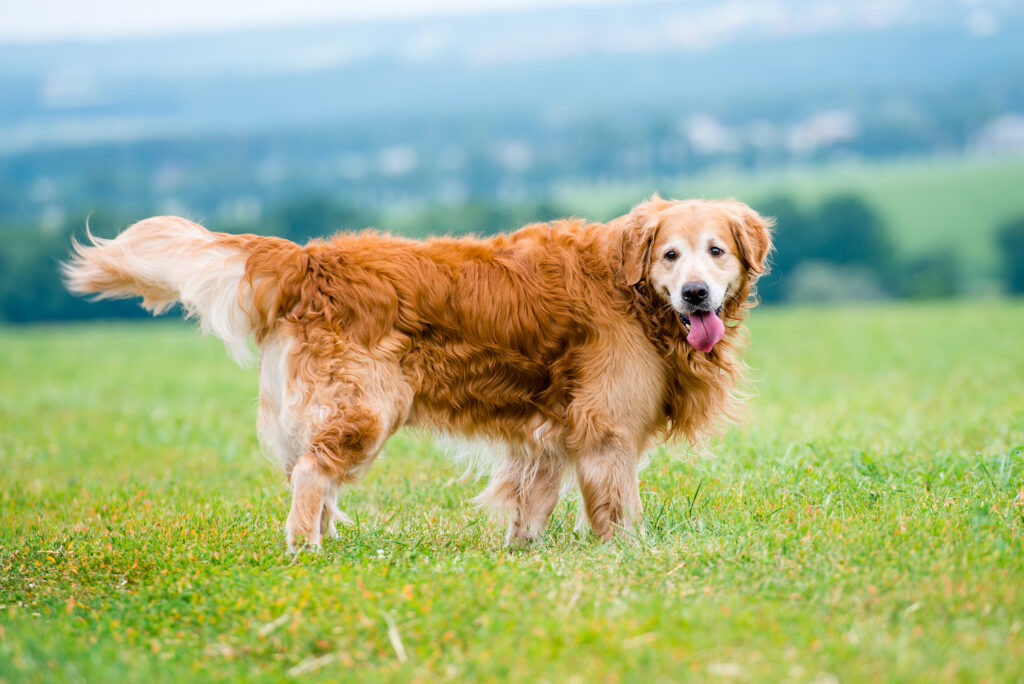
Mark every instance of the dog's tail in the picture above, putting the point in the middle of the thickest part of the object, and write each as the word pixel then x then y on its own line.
pixel 234 284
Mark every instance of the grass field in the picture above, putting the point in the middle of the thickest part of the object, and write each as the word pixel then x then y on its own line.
pixel 867 523
pixel 956 204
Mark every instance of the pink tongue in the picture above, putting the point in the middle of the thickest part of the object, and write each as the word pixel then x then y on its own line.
pixel 706 330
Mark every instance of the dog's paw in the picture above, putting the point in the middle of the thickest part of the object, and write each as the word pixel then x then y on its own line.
pixel 519 538
pixel 295 549
pixel 295 545
pixel 302 534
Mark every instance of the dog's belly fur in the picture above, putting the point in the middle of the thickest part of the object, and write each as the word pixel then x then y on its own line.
pixel 508 406
pixel 470 390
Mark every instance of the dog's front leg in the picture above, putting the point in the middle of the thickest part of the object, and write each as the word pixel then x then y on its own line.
pixel 608 480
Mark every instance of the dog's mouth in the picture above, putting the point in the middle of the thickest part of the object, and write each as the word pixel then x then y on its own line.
pixel 704 329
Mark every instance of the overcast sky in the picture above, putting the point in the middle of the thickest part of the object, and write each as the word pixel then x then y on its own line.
pixel 43 20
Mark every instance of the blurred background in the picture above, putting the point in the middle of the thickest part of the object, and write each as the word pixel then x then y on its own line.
pixel 887 137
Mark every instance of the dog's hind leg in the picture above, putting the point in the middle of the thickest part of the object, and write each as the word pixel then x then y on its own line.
pixel 526 486
pixel 283 426
pixel 352 404
pixel 340 451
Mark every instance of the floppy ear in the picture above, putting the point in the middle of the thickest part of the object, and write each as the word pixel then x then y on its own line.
pixel 753 236
pixel 640 226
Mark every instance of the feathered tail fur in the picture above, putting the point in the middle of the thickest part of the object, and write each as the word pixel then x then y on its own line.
pixel 166 259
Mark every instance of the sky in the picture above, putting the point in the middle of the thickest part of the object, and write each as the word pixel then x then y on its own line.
pixel 98 20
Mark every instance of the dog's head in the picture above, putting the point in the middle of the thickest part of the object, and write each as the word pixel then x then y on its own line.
pixel 699 256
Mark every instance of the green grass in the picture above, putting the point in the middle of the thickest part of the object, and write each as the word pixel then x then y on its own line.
pixel 955 204
pixel 867 523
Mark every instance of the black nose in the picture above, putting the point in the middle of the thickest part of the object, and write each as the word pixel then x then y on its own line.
pixel 695 293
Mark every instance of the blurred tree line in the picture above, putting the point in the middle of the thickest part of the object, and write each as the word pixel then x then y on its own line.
pixel 843 250
pixel 840 249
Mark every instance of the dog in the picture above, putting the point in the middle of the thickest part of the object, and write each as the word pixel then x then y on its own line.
pixel 570 347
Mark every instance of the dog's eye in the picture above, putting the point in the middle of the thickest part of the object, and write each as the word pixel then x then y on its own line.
pixel 671 255
pixel 716 251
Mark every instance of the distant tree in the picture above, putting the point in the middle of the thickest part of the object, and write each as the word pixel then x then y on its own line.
pixel 1010 240
pixel 479 218
pixel 853 233
pixel 930 276
pixel 314 216
pixel 30 284
pixel 844 231
pixel 796 240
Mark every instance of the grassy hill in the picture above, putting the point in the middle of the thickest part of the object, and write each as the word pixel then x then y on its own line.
pixel 867 523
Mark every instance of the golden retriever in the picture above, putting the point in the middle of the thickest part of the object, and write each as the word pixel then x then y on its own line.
pixel 570 347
